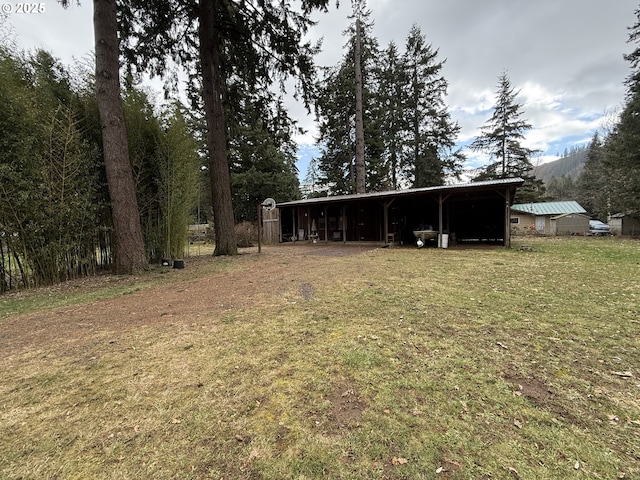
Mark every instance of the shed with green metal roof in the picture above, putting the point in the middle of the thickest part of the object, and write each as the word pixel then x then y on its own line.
pixel 550 218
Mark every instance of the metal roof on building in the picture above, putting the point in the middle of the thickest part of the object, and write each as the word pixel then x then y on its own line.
pixel 549 208
pixel 514 182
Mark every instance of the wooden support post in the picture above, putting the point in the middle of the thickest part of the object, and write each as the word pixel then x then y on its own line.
pixel 507 219
pixel 344 224
pixel 385 230
pixel 441 201
pixel 259 228
pixel 385 216
pixel 294 234
pixel 440 222
pixel 326 224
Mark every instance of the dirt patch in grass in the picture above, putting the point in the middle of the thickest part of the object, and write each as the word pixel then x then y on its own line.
pixel 254 280
pixel 532 389
pixel 346 407
pixel 543 396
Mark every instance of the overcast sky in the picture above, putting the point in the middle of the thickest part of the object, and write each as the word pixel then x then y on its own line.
pixel 565 56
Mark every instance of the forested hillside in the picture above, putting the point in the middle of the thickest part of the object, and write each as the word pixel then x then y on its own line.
pixel 570 165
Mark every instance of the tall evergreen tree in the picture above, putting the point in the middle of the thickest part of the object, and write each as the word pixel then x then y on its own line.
pixel 593 183
pixel 501 136
pixel 409 134
pixel 622 159
pixel 335 131
pixel 263 157
pixel 336 113
pixel 312 180
pixel 431 132
pixel 210 57
pixel 391 99
pixel 128 242
pixel 360 171
pixel 258 43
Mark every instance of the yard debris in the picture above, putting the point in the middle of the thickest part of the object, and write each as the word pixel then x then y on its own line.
pixel 307 291
pixel 246 464
pixel 452 462
pixel 502 345
pixel 254 454
pixel 517 393
pixel 626 374
pixel 399 461
pixel 517 423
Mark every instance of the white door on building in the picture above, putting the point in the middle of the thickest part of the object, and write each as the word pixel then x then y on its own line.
pixel 540 223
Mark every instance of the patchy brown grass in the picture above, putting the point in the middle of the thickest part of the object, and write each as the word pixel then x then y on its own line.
pixel 324 361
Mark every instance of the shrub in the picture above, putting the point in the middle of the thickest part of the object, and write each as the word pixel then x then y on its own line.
pixel 246 233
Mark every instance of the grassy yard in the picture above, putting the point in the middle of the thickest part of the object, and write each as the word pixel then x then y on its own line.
pixel 385 364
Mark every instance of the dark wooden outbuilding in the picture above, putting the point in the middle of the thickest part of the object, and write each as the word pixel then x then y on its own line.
pixel 470 212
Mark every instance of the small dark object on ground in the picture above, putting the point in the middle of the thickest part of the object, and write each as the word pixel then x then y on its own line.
pixel 178 264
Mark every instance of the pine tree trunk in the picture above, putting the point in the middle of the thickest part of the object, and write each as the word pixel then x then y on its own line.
pixel 129 249
pixel 223 222
pixel 360 166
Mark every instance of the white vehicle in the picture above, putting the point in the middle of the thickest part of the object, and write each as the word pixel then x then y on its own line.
pixel 596 227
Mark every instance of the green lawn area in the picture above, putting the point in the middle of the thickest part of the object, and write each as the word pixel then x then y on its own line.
pixel 398 363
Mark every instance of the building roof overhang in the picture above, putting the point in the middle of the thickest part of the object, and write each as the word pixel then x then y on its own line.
pixel 510 183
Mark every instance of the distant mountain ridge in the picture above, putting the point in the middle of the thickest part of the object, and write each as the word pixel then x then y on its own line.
pixel 571 165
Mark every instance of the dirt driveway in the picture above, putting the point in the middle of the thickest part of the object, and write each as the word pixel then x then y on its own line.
pixel 181 296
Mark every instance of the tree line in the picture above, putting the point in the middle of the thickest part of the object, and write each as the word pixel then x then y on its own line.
pixel 111 172
pixel 408 136
pixel 55 212
pixel 143 167
pixel 610 180
pixel 407 132
pixel 234 53
pixel 608 183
